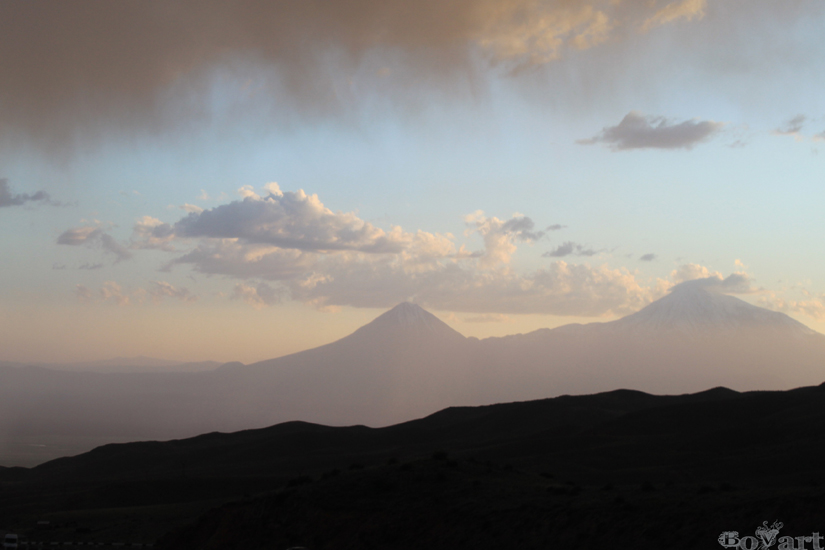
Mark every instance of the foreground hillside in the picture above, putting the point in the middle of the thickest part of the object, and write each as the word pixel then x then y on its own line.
pixel 579 470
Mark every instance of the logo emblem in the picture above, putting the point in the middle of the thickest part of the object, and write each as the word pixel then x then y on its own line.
pixel 768 534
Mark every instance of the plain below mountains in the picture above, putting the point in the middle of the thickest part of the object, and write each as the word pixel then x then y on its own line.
pixel 407 364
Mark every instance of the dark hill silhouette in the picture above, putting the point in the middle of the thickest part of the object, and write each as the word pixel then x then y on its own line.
pixel 618 463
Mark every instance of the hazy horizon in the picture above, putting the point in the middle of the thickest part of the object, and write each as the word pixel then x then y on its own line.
pixel 236 182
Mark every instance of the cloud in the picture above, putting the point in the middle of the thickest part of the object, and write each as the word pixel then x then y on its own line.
pixel 83 294
pixel 793 127
pixel 648 257
pixel 695 275
pixel 82 72
pixel 292 220
pixel 688 272
pixel 258 296
pixel 229 257
pixel 7 198
pixel 57 266
pixel 191 208
pixel 560 289
pixel 95 237
pixel 111 291
pixel 79 235
pixel 162 289
pixel 288 245
pixel 568 248
pixel 637 131
pixel 500 236
pixel 554 227
pixel 811 305
pixel 91 266
pixel 686 9
pixel 151 233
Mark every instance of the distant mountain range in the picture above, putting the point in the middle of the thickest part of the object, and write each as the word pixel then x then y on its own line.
pixel 140 363
pixel 407 363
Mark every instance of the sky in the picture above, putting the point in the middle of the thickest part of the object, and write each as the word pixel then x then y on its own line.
pixel 238 181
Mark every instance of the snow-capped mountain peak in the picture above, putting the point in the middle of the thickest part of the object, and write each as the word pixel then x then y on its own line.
pixel 693 308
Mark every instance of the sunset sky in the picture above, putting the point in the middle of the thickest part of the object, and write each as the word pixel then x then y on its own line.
pixel 209 180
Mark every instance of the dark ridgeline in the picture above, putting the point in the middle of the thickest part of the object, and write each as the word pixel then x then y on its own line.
pixel 651 471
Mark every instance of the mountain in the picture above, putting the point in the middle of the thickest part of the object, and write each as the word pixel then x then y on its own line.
pixel 406 321
pixel 140 363
pixel 403 364
pixel 692 308
pixel 690 339
pixel 407 363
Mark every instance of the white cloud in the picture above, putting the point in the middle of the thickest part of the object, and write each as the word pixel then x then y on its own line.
pixel 638 131
pixel 698 275
pixel 288 245
pixel 500 236
pixel 560 289
pixel 811 305
pixel 191 208
pixel 291 220
pixel 688 272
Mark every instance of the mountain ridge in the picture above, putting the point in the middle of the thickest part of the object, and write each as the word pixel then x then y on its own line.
pixel 407 363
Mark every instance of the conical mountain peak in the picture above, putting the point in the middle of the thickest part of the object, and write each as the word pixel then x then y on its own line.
pixel 408 319
pixel 693 307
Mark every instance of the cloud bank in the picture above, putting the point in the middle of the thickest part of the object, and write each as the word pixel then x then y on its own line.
pixel 283 245
pixel 288 245
pixel 80 71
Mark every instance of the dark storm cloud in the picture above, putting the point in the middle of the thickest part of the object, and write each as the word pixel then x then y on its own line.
pixel 637 131
pixel 81 70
